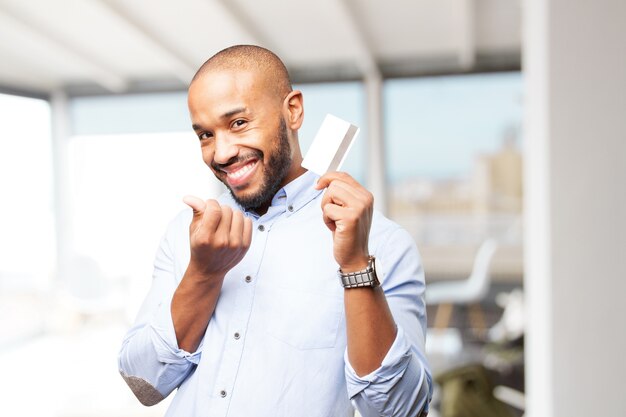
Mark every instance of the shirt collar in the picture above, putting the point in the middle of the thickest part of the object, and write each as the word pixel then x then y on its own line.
pixel 299 191
pixel 290 198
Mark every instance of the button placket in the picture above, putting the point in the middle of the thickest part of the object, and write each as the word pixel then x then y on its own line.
pixel 235 345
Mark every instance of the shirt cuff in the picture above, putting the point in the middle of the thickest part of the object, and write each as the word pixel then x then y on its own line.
pixel 391 369
pixel 164 338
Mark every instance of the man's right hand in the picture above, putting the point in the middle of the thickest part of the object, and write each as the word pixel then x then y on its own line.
pixel 219 237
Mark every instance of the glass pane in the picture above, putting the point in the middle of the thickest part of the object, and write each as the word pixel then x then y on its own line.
pixel 130 113
pixel 454 162
pixel 26 224
pixel 126 189
pixel 455 182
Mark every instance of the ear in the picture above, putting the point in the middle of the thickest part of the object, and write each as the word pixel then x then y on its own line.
pixel 293 110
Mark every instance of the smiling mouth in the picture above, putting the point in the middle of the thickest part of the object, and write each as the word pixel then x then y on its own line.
pixel 241 171
pixel 239 176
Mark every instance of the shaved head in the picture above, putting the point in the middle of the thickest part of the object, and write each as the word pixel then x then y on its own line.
pixel 250 58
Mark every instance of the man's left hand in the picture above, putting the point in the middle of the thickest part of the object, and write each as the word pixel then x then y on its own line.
pixel 347 208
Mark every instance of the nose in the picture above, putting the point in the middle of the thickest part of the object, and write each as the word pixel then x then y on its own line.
pixel 225 149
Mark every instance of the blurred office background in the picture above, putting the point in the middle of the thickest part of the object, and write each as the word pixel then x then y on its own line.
pixel 492 130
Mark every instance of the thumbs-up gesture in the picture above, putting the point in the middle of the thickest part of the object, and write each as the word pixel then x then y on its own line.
pixel 219 237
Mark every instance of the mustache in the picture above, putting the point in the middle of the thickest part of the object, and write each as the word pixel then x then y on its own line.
pixel 256 154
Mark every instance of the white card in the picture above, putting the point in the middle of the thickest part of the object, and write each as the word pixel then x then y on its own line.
pixel 330 146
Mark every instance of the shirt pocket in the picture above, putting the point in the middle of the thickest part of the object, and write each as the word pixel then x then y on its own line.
pixel 305 319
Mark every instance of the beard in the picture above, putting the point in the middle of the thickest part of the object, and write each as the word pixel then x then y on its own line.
pixel 274 172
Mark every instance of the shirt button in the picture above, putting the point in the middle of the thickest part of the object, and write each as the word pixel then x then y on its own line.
pixel 248 278
pixel 261 228
pixel 222 393
pixel 237 336
pixel 290 208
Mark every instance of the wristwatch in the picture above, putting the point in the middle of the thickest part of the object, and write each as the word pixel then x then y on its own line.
pixel 364 278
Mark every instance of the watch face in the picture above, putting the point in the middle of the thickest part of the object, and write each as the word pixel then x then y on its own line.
pixel 378 268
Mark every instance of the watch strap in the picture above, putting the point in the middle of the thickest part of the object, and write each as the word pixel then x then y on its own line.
pixel 364 278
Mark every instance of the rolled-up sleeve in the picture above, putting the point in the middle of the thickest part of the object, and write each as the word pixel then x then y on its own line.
pixel 150 360
pixel 402 385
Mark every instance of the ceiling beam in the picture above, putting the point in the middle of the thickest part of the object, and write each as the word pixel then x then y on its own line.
pixel 246 24
pixel 24 75
pixel 181 67
pixel 98 71
pixel 467 34
pixel 365 57
pixel 29 93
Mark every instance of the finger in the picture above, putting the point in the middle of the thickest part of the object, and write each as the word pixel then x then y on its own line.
pixel 223 229
pixel 332 214
pixel 247 232
pixel 332 198
pixel 196 204
pixel 212 215
pixel 341 194
pixel 328 222
pixel 236 228
pixel 329 177
pixel 336 213
pixel 354 196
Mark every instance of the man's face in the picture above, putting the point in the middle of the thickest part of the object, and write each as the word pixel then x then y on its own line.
pixel 243 136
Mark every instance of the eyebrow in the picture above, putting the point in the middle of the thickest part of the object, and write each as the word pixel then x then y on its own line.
pixel 233 112
pixel 226 115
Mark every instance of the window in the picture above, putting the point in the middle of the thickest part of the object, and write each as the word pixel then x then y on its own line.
pixel 27 223
pixel 454 165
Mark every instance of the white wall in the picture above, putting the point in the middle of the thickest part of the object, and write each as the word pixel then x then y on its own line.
pixel 575 69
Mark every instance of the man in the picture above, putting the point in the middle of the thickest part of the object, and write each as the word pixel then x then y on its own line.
pixel 246 315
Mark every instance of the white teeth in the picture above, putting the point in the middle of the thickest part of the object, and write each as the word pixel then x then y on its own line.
pixel 241 171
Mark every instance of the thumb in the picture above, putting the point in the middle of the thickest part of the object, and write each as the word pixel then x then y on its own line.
pixel 196 204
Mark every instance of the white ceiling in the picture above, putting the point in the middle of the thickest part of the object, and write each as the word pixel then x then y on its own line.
pixel 130 45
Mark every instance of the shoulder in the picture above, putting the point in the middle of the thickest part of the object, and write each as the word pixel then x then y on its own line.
pixel 381 222
pixel 386 232
pixel 391 241
pixel 396 254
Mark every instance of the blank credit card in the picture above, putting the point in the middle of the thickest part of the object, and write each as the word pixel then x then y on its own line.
pixel 330 146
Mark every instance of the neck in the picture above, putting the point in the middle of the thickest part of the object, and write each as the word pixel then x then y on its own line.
pixel 294 172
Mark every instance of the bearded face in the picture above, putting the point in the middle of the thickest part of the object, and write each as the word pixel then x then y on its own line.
pixel 273 171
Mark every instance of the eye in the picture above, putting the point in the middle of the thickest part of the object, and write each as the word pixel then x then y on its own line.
pixel 205 135
pixel 238 123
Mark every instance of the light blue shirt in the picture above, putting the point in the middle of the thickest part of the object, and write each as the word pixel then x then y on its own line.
pixel 276 343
